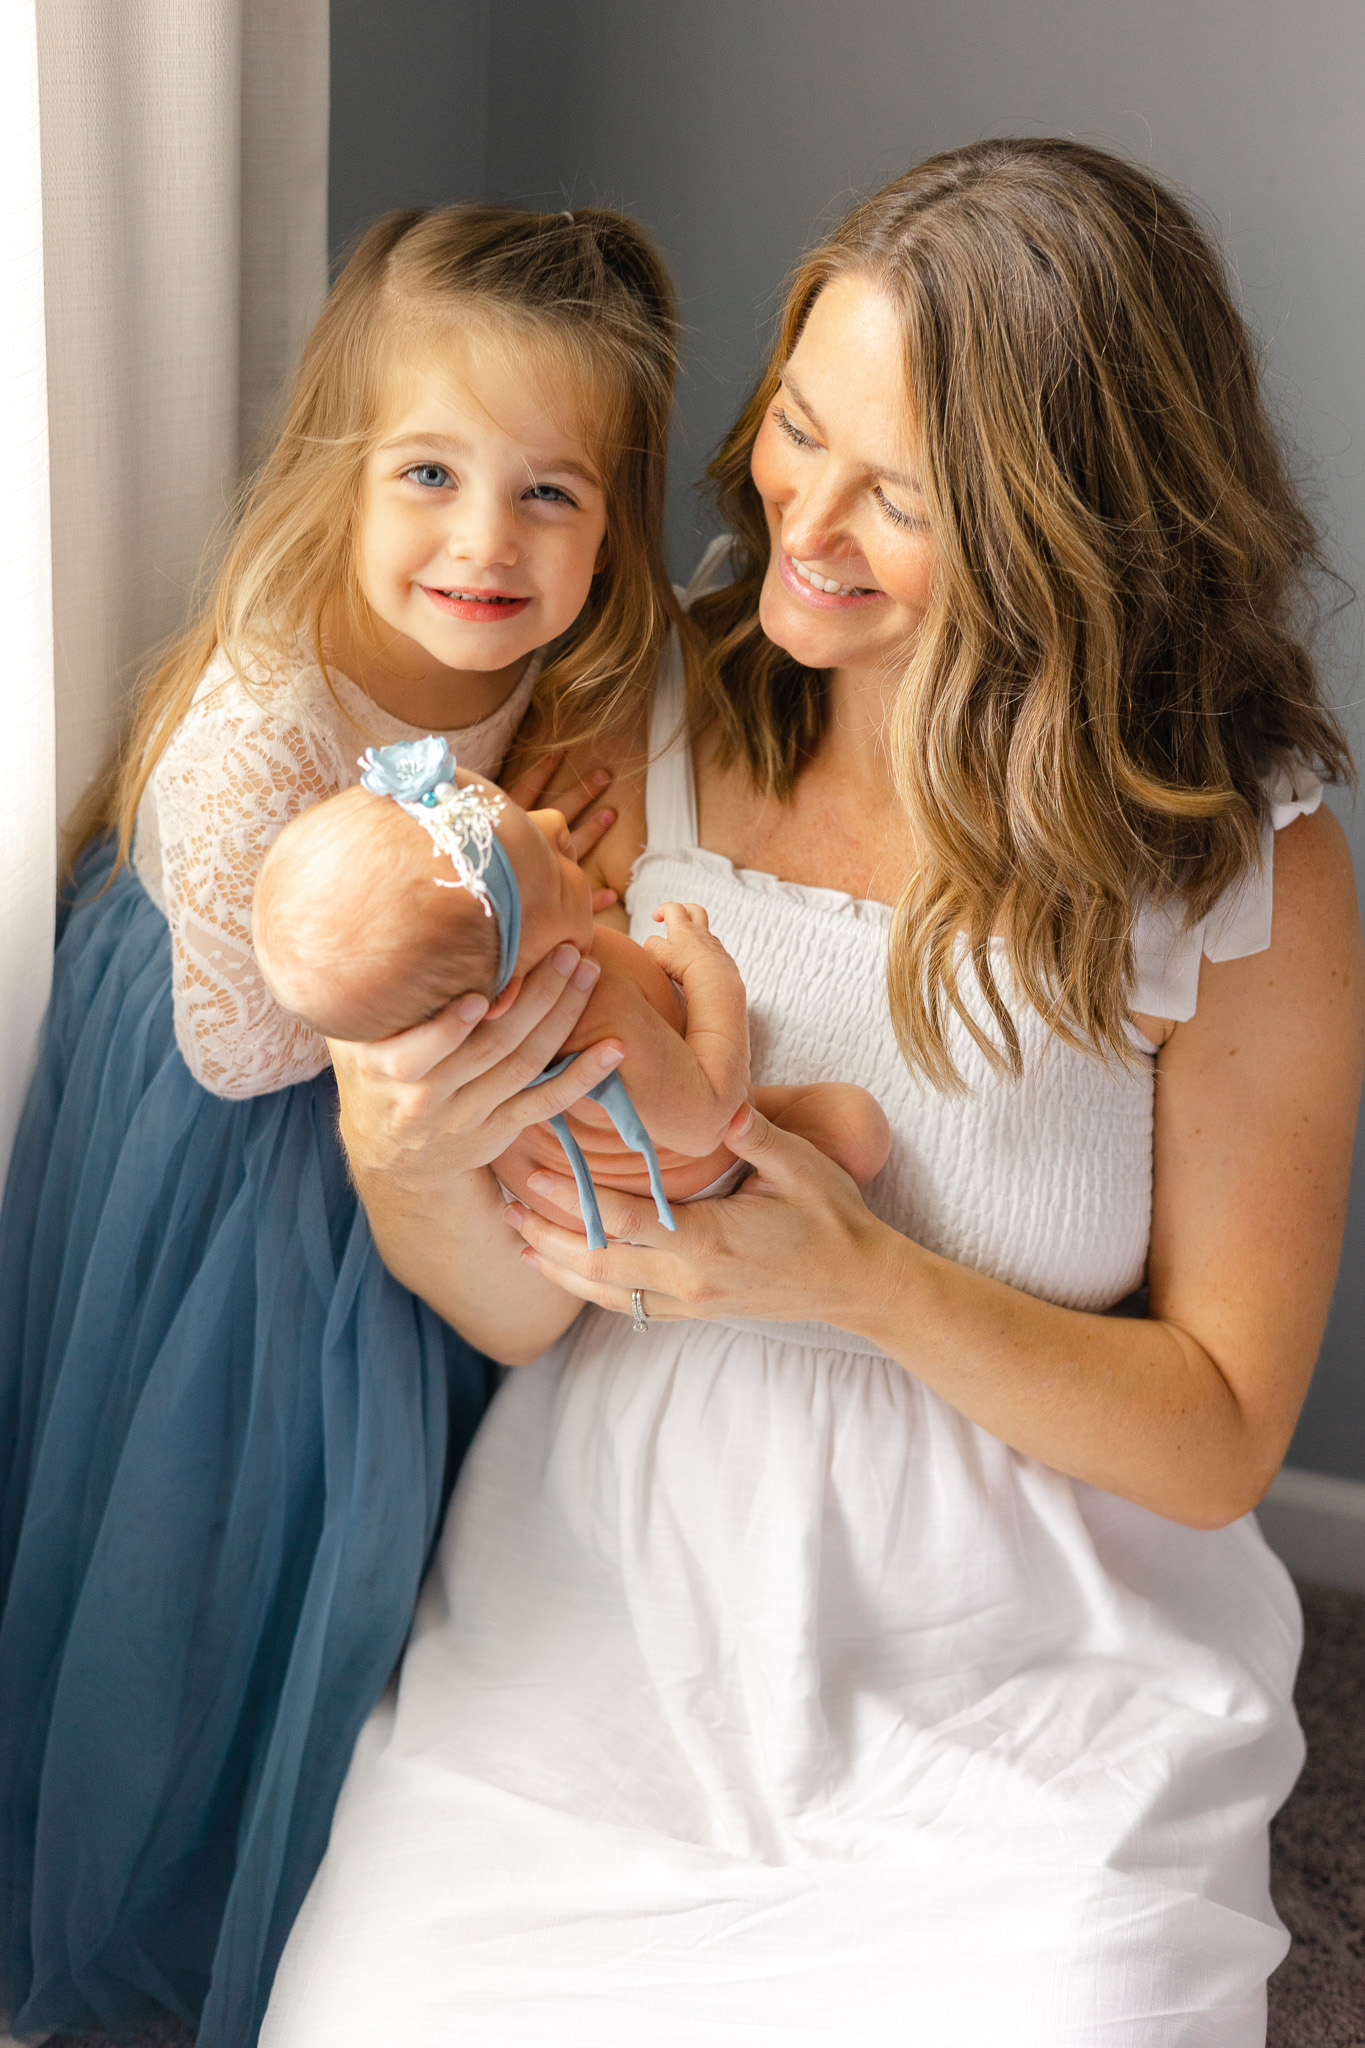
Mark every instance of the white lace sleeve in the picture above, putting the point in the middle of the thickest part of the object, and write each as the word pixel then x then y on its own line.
pixel 238 768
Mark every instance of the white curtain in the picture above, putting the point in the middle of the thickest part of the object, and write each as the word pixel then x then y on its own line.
pixel 181 243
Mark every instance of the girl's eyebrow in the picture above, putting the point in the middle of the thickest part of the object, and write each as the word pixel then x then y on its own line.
pixel 888 476
pixel 568 465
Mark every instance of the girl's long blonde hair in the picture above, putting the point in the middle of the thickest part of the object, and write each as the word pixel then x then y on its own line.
pixel 584 293
pixel 1115 655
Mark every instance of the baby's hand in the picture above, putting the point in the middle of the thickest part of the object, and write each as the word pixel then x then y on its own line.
pixel 717 1018
pixel 690 939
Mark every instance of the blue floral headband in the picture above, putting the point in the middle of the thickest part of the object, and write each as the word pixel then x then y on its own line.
pixel 420 777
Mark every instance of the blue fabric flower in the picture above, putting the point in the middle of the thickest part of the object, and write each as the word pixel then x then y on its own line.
pixel 409 769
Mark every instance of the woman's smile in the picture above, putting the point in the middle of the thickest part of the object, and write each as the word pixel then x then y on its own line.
pixel 812 587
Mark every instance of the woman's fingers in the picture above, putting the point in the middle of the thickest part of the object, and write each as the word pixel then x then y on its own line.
pixel 412 1055
pixel 606 1277
pixel 631 1219
pixel 536 1102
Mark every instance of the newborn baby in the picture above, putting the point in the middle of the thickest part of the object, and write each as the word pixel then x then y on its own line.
pixel 353 937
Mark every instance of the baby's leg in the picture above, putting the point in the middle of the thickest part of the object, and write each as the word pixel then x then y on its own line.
pixel 840 1120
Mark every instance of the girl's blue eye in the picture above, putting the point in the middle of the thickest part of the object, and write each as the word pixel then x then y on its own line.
pixel 430 475
pixel 549 494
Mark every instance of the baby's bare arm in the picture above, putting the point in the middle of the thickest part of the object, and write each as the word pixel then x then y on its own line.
pixel 717 1032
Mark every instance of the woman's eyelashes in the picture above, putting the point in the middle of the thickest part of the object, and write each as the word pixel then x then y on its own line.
pixel 789 427
pixel 894 513
pixel 907 520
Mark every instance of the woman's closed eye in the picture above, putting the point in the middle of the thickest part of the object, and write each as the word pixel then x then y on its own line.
pixel 789 427
pixel 894 513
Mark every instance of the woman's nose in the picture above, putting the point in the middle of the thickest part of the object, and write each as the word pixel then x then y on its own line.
pixel 815 522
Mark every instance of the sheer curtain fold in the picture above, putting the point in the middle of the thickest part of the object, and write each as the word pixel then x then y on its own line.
pixel 165 228
pixel 27 813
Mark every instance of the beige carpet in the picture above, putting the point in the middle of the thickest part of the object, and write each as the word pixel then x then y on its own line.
pixel 1317 1996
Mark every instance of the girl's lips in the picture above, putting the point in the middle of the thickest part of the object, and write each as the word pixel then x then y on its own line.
pixel 823 600
pixel 477 610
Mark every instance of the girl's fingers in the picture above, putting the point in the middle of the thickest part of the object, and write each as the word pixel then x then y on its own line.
pixel 585 835
pixel 531 785
pixel 580 796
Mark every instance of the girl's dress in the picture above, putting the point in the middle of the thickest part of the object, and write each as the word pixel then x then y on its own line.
pixel 756 1696
pixel 226 1433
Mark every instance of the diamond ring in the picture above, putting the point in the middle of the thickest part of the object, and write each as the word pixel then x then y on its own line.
pixel 639 1321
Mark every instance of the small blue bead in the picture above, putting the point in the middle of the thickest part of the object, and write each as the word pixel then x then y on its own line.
pixel 430 797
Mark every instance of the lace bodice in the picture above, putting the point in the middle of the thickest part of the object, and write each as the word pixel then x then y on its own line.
pixel 245 759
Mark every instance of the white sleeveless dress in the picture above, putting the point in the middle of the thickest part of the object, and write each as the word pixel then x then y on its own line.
pixel 757 1697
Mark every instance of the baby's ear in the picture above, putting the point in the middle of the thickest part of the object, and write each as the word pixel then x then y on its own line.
pixel 506 999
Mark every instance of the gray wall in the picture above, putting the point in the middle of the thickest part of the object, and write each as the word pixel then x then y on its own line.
pixel 733 127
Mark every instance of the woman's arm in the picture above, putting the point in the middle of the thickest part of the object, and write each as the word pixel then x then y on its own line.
pixel 423 1114
pixel 1188 1413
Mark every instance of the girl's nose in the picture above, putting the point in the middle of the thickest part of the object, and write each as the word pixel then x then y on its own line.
pixel 483 531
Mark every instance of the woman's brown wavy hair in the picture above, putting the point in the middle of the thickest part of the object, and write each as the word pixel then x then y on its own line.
pixel 1115 653
pixel 584 294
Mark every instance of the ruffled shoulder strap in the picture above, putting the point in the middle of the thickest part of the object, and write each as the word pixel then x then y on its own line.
pixel 1167 952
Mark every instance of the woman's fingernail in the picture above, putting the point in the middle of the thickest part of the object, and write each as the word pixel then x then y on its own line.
pixel 514 1214
pixel 564 959
pixel 601 777
pixel 610 1055
pixel 543 1183
pixel 606 818
pixel 586 974
pixel 742 1123
pixel 470 1008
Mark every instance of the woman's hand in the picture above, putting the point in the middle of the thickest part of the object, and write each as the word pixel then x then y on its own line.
pixel 795 1242
pixel 446 1097
pixel 422 1115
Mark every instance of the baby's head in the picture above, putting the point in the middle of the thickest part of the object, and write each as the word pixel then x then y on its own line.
pixel 355 934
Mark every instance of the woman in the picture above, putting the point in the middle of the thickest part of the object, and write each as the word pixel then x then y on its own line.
pixel 879 1649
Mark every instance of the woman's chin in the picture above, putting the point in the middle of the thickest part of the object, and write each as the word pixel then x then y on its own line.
pixel 817 641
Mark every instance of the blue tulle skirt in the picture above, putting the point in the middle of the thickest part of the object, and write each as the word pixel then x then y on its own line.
pixel 226 1438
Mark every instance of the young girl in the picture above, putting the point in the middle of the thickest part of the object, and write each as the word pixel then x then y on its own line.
pixel 229 1432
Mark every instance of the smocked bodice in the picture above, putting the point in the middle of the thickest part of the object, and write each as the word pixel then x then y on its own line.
pixel 1043 1182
